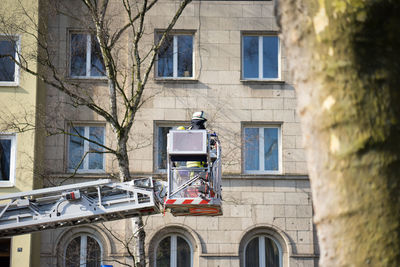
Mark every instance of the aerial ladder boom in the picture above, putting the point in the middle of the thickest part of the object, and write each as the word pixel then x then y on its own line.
pixel 189 191
pixel 76 204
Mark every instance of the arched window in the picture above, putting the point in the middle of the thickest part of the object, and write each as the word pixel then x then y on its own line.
pixel 174 251
pixel 262 251
pixel 83 251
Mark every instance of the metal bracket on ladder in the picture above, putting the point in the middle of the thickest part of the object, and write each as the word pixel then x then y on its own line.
pixel 76 204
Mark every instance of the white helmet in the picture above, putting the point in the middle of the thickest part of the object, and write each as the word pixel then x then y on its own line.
pixel 198 115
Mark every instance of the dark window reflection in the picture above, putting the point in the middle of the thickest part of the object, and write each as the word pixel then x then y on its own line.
pixel 162 147
pixel 76 147
pixel 250 56
pixel 271 253
pixel 251 149
pixel 185 55
pixel 5 157
pixel 270 56
pixel 93 255
pixel 73 253
pixel 183 253
pixel 163 254
pixel 271 159
pixel 252 253
pixel 78 54
pixel 166 57
pixel 96 134
pixel 97 64
pixel 7 65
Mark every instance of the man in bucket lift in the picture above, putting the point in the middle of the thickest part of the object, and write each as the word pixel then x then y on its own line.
pixel 197 123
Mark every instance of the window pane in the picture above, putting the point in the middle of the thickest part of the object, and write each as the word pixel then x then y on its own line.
pixel 76 148
pixel 185 55
pixel 251 254
pixel 162 147
pixel 271 162
pixel 251 149
pixel 5 157
pixel 250 56
pixel 73 253
pixel 165 58
pixel 78 54
pixel 93 256
pixel 95 159
pixel 7 65
pixel 96 65
pixel 271 253
pixel 183 253
pixel 270 56
pixel 163 254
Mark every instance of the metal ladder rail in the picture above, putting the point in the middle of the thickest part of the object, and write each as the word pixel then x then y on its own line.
pixel 51 208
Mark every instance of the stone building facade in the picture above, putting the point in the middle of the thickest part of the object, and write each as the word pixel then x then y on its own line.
pixel 231 64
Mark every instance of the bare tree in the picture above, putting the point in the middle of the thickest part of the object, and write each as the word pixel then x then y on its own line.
pixel 349 107
pixel 125 82
pixel 114 26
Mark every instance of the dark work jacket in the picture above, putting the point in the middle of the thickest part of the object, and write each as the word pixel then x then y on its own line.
pixel 197 125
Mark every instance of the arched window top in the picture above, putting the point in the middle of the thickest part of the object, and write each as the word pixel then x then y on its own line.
pixel 174 251
pixel 83 251
pixel 262 251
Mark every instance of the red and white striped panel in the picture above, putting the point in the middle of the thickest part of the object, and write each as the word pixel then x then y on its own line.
pixel 187 201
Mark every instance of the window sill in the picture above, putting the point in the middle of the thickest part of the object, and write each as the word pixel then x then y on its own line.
pixel 6 184
pixel 280 82
pixel 9 84
pixel 176 80
pixel 88 79
pixel 267 176
pixel 86 172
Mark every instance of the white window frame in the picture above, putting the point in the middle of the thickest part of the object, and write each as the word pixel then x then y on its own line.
pixel 260 58
pixel 83 250
pixel 261 150
pixel 88 57
pixel 175 57
pixel 13 158
pixel 17 40
pixel 85 163
pixel 173 250
pixel 261 250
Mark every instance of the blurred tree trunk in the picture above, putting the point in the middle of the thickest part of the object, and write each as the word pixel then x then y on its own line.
pixel 345 57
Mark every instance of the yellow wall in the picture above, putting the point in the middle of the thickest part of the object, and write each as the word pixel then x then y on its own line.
pixel 21 103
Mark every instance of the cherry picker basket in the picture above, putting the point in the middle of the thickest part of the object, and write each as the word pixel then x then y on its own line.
pixel 194 173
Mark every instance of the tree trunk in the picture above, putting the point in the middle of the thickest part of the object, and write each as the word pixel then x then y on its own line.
pixel 141 242
pixel 345 58
pixel 123 160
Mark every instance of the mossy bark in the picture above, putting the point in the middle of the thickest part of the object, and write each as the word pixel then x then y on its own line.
pixel 345 57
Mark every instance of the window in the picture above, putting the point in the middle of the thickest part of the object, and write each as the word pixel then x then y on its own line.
pixel 9 47
pixel 86 58
pixel 83 251
pixel 262 251
pixel 161 131
pixel 83 155
pixel 175 57
pixel 7 159
pixel 262 149
pixel 174 251
pixel 260 57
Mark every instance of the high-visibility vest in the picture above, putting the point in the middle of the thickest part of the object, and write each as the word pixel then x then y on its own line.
pixel 195 164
